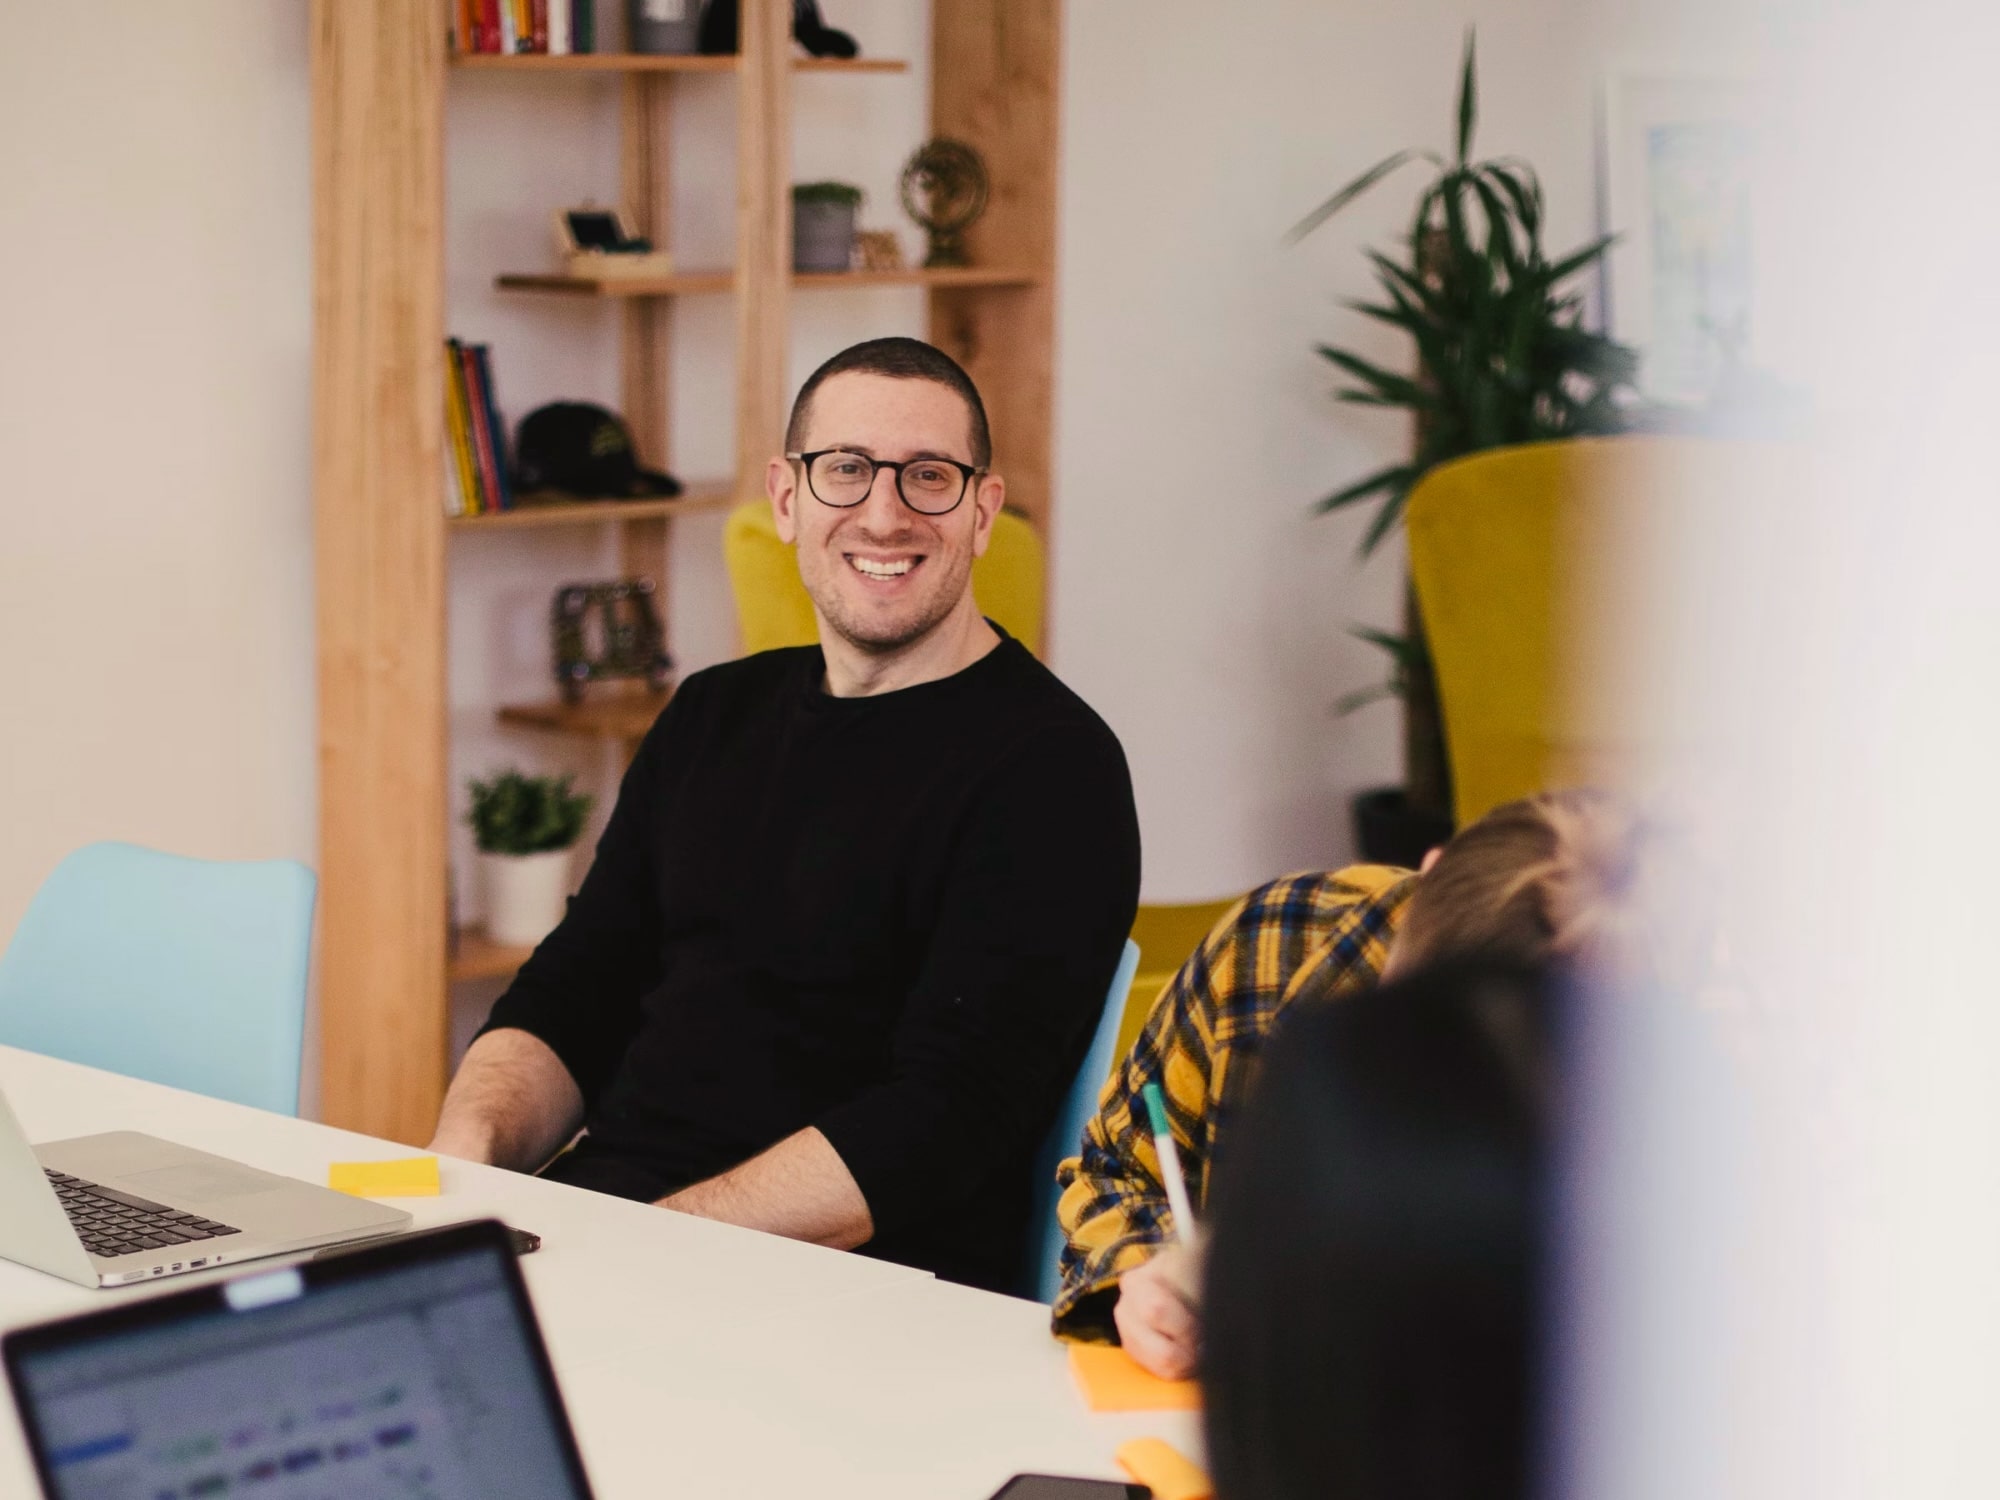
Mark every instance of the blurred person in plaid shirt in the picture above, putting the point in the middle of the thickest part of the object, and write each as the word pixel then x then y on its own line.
pixel 1532 881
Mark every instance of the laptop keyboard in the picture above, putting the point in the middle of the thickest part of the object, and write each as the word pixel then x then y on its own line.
pixel 113 1223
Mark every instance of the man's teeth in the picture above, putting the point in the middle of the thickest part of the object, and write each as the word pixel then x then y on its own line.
pixel 875 569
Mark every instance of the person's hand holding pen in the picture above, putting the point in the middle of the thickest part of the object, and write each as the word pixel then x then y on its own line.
pixel 1158 1311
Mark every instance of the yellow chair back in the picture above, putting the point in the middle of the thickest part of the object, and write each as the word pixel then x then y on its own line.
pixel 1518 559
pixel 772 608
pixel 1167 936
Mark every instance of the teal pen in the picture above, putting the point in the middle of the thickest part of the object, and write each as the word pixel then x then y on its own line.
pixel 1170 1164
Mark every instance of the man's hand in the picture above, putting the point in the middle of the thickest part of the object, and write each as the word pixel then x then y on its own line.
pixel 513 1104
pixel 1159 1314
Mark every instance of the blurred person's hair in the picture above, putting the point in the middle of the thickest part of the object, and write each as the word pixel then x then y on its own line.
pixel 1553 876
pixel 1377 1243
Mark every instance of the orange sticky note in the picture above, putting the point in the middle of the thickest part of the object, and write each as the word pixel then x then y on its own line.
pixel 1165 1470
pixel 409 1177
pixel 1112 1381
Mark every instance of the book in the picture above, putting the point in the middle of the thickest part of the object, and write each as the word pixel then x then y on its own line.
pixel 583 25
pixel 538 24
pixel 458 429
pixel 503 478
pixel 489 25
pixel 482 440
pixel 509 39
pixel 560 37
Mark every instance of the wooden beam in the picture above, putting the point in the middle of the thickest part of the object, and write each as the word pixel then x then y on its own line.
pixel 763 236
pixel 996 85
pixel 647 161
pixel 378 71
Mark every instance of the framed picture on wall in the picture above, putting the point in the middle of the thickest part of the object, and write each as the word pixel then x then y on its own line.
pixel 1677 161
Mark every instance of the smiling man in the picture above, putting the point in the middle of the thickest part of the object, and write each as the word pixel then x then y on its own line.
pixel 852 920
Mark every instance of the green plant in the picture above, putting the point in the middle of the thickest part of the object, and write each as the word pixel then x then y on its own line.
pixel 1502 357
pixel 843 193
pixel 517 814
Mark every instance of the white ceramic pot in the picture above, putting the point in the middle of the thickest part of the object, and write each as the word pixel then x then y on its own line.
pixel 525 895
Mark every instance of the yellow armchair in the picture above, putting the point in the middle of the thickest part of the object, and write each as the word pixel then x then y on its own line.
pixel 772 608
pixel 1513 553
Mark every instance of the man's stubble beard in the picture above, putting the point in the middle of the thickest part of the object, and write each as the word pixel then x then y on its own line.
pixel 942 601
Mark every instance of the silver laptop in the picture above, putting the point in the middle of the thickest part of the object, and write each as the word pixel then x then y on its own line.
pixel 412 1367
pixel 104 1210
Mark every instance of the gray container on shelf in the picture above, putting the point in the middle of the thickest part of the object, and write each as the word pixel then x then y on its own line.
pixel 663 26
pixel 822 236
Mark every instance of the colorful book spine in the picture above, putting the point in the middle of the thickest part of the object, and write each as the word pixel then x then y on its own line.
pixel 539 24
pixel 583 24
pixel 561 38
pixel 489 25
pixel 482 443
pixel 458 427
pixel 496 434
pixel 509 33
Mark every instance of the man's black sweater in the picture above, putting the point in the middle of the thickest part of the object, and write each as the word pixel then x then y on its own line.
pixel 892 917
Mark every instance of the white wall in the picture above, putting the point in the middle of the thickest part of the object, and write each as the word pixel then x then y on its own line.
pixel 1199 606
pixel 155 518
pixel 155 578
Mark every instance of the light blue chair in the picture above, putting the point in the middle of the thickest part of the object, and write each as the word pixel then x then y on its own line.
pixel 1042 1279
pixel 188 972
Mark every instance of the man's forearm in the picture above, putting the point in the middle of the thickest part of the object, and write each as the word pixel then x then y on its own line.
pixel 800 1188
pixel 513 1103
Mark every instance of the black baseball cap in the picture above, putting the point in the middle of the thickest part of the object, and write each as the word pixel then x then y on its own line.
pixel 586 451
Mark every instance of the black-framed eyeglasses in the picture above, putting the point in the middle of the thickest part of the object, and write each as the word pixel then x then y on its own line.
pixel 929 486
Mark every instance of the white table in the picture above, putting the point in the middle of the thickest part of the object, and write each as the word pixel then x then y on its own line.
pixel 696 1359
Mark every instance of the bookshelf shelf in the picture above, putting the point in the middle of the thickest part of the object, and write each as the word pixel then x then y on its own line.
pixel 563 511
pixel 621 717
pixel 680 284
pixel 632 62
pixel 477 956
pixel 697 283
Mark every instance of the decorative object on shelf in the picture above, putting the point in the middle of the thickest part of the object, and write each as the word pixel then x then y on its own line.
pixel 597 244
pixel 878 250
pixel 1502 357
pixel 944 191
pixel 720 27
pixel 526 828
pixel 620 620
pixel 658 27
pixel 585 452
pixel 823 225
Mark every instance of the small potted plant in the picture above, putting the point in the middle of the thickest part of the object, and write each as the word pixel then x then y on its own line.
pixel 823 225
pixel 526 828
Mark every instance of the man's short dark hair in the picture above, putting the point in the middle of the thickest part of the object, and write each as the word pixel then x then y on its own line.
pixel 899 359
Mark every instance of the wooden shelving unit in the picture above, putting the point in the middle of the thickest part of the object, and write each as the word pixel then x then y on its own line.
pixel 381 73
pixel 564 511
pixel 705 283
pixel 478 957
pixel 612 716
pixel 632 62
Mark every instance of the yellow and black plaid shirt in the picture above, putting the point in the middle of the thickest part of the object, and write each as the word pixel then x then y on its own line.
pixel 1322 933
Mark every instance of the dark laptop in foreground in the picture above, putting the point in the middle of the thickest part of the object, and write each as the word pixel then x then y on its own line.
pixel 413 1367
pixel 103 1210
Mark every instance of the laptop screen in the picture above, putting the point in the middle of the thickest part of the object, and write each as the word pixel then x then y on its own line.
pixel 409 1370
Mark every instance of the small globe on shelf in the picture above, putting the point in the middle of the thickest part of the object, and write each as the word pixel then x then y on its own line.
pixel 944 191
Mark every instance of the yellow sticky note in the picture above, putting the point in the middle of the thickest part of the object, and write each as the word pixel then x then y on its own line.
pixel 411 1177
pixel 1112 1381
pixel 1165 1470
